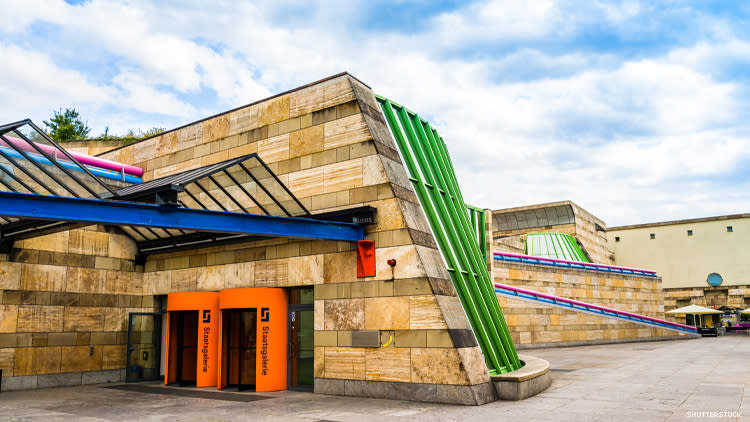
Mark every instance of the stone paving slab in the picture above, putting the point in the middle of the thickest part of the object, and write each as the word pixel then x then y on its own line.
pixel 671 381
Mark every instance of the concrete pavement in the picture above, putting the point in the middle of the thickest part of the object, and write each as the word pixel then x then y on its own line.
pixel 685 380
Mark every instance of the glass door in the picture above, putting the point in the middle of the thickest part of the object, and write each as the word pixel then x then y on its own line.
pixel 144 347
pixel 187 347
pixel 301 348
pixel 240 326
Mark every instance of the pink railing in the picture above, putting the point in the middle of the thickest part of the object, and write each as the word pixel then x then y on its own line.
pixel 82 158
pixel 575 304
pixel 574 264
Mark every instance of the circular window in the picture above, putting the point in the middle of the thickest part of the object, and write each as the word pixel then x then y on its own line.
pixel 714 279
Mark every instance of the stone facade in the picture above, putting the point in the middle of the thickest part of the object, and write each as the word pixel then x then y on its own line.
pixel 65 300
pixel 510 226
pixel 327 142
pixel 734 296
pixel 533 325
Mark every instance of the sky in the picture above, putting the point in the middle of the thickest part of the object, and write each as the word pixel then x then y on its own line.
pixel 636 111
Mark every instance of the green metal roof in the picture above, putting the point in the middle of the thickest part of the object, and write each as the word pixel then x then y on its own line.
pixel 554 245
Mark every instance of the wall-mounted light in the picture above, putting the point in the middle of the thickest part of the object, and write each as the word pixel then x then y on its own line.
pixel 392 263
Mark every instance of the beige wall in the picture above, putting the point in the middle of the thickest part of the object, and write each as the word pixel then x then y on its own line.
pixel 534 325
pixel 329 143
pixel 64 305
pixel 686 261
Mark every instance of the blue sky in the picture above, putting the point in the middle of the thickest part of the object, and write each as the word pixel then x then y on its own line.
pixel 634 110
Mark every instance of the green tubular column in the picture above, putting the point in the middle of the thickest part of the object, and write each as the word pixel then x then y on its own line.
pixel 458 230
pixel 461 239
pixel 460 278
pixel 484 279
pixel 476 215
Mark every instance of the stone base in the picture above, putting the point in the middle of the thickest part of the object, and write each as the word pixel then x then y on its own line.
pixel 471 395
pixel 31 382
pixel 533 378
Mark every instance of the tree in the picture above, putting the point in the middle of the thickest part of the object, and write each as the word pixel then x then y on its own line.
pixel 67 126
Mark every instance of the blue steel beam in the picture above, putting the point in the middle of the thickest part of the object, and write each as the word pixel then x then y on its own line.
pixel 95 211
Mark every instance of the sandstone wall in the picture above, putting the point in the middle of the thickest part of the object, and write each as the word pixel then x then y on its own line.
pixel 328 142
pixel 534 325
pixel 558 217
pixel 734 296
pixel 64 306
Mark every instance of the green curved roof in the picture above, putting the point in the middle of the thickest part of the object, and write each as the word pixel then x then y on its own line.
pixel 554 245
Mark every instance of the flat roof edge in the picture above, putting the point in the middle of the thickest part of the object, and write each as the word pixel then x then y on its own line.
pixel 684 221
pixel 535 206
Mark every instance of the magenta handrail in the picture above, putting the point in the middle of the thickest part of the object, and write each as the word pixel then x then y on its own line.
pixel 588 305
pixel 82 158
pixel 588 264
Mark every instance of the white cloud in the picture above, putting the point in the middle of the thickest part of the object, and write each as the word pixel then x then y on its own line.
pixel 632 140
pixel 139 94
pixel 32 84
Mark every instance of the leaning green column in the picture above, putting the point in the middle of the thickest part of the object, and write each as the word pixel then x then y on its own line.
pixel 431 173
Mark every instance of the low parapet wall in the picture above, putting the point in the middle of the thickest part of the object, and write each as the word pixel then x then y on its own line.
pixel 533 325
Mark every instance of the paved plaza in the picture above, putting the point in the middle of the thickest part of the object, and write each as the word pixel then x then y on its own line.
pixel 680 380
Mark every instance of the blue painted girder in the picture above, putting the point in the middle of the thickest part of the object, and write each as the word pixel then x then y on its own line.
pixel 95 211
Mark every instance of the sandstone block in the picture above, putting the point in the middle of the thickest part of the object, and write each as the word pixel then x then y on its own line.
pixel 344 362
pixel 345 131
pixel 37 360
pixel 273 110
pixel 424 313
pixel 10 275
pixel 7 361
pixel 437 366
pixel 340 267
pixel 306 141
pixel 216 128
pixel 84 319
pixel 343 175
pixel 81 358
pixel 388 364
pixel 272 273
pixel 8 318
pixel 344 314
pixel 43 277
pixel 387 313
pixel 306 270
pixel 243 119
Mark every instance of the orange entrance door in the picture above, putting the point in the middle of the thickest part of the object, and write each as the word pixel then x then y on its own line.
pixel 260 356
pixel 238 356
pixel 192 338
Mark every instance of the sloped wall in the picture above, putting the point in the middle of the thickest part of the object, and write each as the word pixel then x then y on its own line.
pixel 329 144
pixel 534 325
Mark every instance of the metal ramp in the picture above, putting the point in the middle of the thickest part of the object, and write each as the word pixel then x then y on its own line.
pixel 577 306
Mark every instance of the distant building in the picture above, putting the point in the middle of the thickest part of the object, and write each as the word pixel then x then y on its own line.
pixel 702 261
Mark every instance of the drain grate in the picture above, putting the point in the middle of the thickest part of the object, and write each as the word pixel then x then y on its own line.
pixel 561 370
pixel 181 392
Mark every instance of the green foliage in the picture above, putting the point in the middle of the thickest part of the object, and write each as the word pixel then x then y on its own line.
pixel 67 126
pixel 129 136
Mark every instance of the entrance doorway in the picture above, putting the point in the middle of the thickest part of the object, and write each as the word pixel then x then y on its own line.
pixel 240 328
pixel 183 353
pixel 144 347
pixel 301 350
